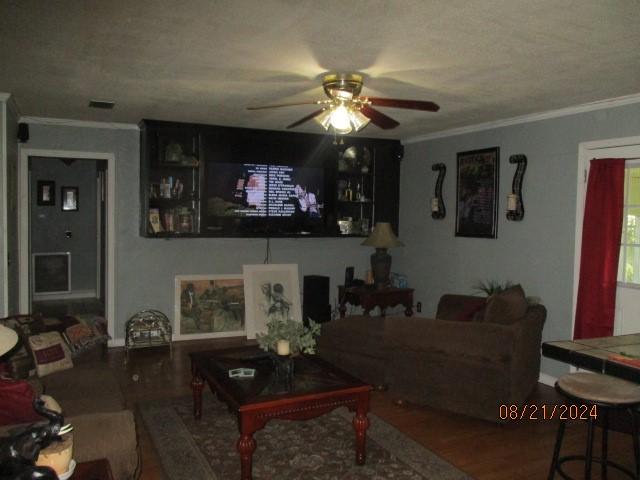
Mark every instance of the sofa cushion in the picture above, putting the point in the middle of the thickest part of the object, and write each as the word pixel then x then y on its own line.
pixel 506 307
pixel 86 388
pixel 460 308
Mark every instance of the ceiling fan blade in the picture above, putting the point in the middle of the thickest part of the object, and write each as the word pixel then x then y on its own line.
pixel 378 118
pixel 305 119
pixel 293 104
pixel 398 103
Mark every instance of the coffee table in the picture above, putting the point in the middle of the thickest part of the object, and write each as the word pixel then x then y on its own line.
pixel 317 388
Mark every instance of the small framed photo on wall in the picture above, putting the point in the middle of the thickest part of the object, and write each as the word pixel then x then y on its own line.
pixel 46 193
pixel 69 199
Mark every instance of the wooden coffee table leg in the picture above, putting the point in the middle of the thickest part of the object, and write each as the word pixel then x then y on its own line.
pixel 361 424
pixel 246 446
pixel 196 386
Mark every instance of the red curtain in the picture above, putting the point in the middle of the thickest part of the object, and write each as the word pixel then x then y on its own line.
pixel 601 232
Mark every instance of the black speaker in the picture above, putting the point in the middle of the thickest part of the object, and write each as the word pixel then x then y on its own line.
pixel 315 299
pixel 23 132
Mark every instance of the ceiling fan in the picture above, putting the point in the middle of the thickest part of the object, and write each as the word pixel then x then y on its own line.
pixel 346 110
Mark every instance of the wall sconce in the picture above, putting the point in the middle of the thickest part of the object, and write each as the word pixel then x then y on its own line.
pixel 515 207
pixel 438 211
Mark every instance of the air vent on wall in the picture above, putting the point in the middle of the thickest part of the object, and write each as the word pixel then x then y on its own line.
pixel 101 104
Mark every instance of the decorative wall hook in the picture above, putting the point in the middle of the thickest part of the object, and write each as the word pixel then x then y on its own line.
pixel 515 206
pixel 438 210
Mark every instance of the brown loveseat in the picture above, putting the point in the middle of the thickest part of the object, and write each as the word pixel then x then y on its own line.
pixel 469 367
pixel 92 402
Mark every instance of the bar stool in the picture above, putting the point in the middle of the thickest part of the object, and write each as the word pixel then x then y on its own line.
pixel 605 393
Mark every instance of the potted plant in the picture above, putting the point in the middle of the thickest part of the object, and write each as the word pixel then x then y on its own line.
pixel 289 337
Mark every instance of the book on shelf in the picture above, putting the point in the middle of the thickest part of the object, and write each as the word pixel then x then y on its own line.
pixel 154 220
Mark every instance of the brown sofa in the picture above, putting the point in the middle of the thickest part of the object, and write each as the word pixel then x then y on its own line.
pixel 92 402
pixel 469 367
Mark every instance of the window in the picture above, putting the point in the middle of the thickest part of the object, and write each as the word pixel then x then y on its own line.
pixel 629 263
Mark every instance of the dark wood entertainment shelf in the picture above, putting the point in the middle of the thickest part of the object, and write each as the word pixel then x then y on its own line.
pixel 183 193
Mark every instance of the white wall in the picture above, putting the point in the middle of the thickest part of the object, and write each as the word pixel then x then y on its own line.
pixel 537 252
pixel 146 267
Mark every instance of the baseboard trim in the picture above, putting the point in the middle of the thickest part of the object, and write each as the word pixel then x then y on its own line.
pixel 546 379
pixel 77 294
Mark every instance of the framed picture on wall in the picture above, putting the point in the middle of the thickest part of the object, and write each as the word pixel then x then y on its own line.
pixel 69 198
pixel 209 306
pixel 46 193
pixel 272 292
pixel 477 193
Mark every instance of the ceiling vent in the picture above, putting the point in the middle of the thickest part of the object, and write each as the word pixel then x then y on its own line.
pixel 101 104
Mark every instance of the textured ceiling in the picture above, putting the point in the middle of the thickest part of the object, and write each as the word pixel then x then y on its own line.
pixel 205 61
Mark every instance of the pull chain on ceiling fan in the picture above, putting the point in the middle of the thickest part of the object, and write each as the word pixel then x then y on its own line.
pixel 346 111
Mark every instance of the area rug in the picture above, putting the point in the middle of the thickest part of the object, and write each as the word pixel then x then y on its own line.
pixel 318 449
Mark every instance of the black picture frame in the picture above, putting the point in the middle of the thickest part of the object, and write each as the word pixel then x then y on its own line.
pixel 46 193
pixel 477 193
pixel 69 199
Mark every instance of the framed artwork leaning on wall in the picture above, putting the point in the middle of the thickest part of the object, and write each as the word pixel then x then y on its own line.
pixel 272 292
pixel 209 306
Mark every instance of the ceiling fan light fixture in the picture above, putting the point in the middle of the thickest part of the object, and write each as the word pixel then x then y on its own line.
pixel 358 119
pixel 324 118
pixel 340 120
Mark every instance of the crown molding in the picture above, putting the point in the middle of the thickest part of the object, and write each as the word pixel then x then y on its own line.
pixel 532 117
pixel 78 123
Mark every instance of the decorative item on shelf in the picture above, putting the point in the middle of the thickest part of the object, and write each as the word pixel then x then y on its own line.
pixel 515 206
pixel 438 210
pixel 346 226
pixel 399 280
pixel 173 153
pixel 382 238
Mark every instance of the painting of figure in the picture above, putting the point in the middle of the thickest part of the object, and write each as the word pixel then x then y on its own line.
pixel 208 306
pixel 273 293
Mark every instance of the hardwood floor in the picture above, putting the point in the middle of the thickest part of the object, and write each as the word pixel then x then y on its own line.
pixel 486 451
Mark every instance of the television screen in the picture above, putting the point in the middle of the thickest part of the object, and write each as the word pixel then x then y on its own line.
pixel 259 190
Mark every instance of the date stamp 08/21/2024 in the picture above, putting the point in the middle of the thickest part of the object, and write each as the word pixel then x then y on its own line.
pixel 548 412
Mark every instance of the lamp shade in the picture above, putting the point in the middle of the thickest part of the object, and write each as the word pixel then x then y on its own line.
pixel 382 236
pixel 8 339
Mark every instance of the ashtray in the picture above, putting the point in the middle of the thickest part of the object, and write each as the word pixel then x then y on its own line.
pixel 68 473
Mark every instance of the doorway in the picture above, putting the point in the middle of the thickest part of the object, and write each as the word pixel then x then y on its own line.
pixel 627 315
pixel 93 290
pixel 67 238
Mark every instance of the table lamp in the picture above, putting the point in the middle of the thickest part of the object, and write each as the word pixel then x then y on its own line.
pixel 381 238
pixel 8 339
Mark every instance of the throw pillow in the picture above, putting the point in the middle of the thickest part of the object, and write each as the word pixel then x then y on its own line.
pixel 469 310
pixel 50 353
pixel 88 332
pixel 16 402
pixel 506 307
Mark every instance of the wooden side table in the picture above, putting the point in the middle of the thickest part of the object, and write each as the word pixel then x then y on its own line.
pixel 370 297
pixel 93 470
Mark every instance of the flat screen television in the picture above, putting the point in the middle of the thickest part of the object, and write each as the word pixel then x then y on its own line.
pixel 245 199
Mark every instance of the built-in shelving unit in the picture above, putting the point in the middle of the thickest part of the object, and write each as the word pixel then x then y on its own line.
pixel 201 180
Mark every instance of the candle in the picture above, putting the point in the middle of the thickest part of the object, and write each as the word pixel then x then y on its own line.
pixel 283 348
pixel 434 204
pixel 512 202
